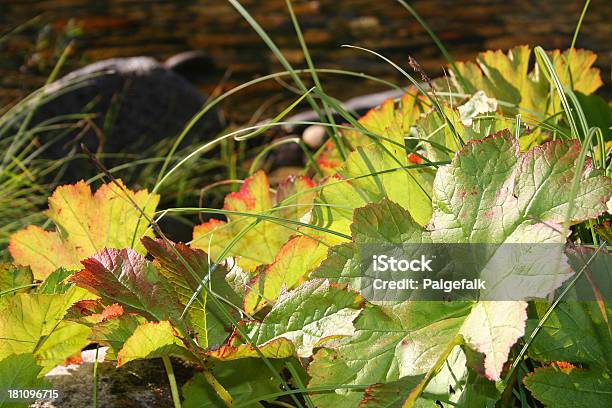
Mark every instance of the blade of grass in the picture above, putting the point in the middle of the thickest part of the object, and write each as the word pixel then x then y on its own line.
pixel 255 164
pixel 30 114
pixel 259 129
pixel 315 77
pixel 549 71
pixel 433 101
pixel 162 174
pixel 4 36
pixel 277 118
pixel 281 58
pixel 544 318
pixel 579 24
pixel 439 44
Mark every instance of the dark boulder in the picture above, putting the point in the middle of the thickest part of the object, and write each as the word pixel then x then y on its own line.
pixel 135 103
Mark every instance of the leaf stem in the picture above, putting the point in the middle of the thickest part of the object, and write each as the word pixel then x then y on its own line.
pixel 221 392
pixel 95 380
pixel 439 44
pixel 176 399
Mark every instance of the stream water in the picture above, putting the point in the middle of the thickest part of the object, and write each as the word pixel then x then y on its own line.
pixel 121 28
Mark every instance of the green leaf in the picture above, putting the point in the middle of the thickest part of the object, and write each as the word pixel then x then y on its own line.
pixel 492 194
pixel 570 387
pixel 386 222
pixel 335 204
pixel 56 283
pixel 518 199
pixel 404 340
pixel 307 317
pixel 19 372
pixel 86 223
pixel 11 279
pixel 245 380
pixel 407 187
pixel 575 332
pixel 32 323
pixel 153 340
pixel 339 267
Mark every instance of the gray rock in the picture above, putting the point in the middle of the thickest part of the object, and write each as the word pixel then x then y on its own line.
pixel 135 103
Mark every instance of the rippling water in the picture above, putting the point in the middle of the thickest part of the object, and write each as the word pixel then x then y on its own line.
pixel 119 28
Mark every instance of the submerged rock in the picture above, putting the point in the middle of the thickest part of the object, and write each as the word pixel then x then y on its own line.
pixel 133 104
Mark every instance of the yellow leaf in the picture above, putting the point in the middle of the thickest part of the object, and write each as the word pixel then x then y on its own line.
pixel 86 223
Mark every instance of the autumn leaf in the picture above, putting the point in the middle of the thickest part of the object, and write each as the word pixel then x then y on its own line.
pixel 507 77
pixel 209 322
pixel 153 340
pixel 124 276
pixel 292 264
pixel 86 223
pixel 183 279
pixel 390 121
pixel 261 243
